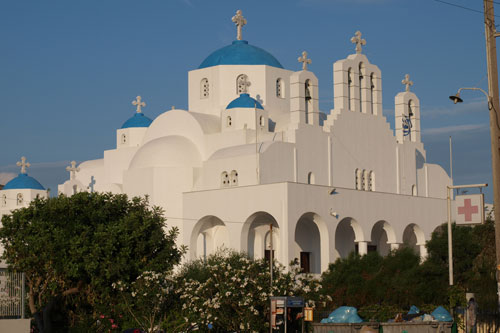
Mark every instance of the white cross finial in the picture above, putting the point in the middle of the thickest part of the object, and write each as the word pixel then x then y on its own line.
pixel 407 82
pixel 244 84
pixel 240 21
pixel 137 102
pixel 72 170
pixel 23 164
pixel 358 41
pixel 304 60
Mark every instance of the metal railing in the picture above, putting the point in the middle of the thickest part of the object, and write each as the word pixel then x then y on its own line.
pixel 12 294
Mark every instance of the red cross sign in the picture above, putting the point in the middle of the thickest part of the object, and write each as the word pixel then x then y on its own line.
pixel 469 209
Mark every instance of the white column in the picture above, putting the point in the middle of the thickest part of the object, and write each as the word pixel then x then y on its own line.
pixel 423 253
pixel 394 246
pixel 363 248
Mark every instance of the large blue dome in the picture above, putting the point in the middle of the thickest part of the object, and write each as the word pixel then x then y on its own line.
pixel 23 181
pixel 240 53
pixel 244 101
pixel 137 120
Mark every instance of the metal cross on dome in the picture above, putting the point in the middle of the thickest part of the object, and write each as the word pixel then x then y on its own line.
pixel 304 60
pixel 73 169
pixel 23 164
pixel 358 41
pixel 138 102
pixel 240 21
pixel 407 82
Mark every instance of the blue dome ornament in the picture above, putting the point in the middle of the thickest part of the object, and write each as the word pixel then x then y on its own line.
pixel 240 52
pixel 139 119
pixel 23 181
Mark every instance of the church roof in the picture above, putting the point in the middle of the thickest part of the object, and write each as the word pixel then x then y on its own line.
pixel 137 120
pixel 240 53
pixel 23 181
pixel 244 101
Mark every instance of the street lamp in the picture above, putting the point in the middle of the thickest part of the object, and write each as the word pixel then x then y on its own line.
pixel 457 99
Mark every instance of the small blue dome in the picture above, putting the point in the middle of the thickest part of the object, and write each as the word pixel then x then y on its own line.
pixel 240 53
pixel 244 101
pixel 137 120
pixel 23 181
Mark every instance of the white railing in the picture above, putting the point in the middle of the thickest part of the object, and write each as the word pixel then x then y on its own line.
pixel 12 294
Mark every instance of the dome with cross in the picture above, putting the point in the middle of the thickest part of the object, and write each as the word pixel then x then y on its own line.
pixel 244 101
pixel 23 181
pixel 240 53
pixel 138 119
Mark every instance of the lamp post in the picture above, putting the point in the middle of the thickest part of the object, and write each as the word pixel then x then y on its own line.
pixel 494 107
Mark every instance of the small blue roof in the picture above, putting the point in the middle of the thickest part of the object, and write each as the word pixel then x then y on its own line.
pixel 23 181
pixel 137 120
pixel 244 101
pixel 240 53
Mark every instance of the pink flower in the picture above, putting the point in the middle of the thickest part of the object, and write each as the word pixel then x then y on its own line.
pixel 111 320
pixel 101 316
pixel 114 326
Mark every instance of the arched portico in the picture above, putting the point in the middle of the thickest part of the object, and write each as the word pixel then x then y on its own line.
pixel 383 238
pixel 347 235
pixel 209 234
pixel 414 237
pixel 255 236
pixel 311 243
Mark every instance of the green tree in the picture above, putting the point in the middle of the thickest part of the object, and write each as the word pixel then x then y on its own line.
pixel 72 249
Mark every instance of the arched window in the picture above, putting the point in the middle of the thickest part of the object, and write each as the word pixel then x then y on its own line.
pixel 224 179
pixel 204 88
pixel 411 118
pixel 310 178
pixel 308 98
pixel 372 88
pixel 366 180
pixel 363 179
pixel 371 181
pixel 20 199
pixel 349 88
pixel 361 83
pixel 242 84
pixel 124 138
pixel 414 190
pixel 358 179
pixel 4 200
pixel 229 121
pixel 280 89
pixel 234 178
pixel 262 121
pixel 75 189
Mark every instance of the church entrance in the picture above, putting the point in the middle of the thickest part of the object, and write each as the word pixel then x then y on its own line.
pixel 256 236
pixel 308 244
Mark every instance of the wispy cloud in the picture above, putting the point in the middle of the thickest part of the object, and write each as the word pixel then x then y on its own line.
pixel 446 130
pixel 5 177
pixel 476 105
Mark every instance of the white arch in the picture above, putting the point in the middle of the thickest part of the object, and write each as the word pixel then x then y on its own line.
pixel 311 235
pixel 253 234
pixel 347 233
pixel 383 235
pixel 214 234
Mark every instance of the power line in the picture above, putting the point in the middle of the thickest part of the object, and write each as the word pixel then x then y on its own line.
pixel 466 8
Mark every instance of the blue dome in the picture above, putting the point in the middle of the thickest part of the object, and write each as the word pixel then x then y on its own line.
pixel 244 101
pixel 23 181
pixel 137 120
pixel 240 53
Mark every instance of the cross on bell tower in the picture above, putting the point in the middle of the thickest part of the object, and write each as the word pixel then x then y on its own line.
pixel 304 60
pixel 73 169
pixel 240 21
pixel 407 82
pixel 23 164
pixel 358 41
pixel 138 102
pixel 243 84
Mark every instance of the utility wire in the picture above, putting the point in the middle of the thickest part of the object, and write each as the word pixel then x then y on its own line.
pixel 466 8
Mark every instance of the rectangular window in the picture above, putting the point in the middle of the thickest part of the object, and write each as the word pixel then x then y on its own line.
pixel 305 263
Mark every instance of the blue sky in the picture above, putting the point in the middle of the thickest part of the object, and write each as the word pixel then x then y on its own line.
pixel 70 69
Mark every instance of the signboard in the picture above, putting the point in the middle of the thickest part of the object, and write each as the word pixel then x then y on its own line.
pixel 294 302
pixel 308 314
pixel 469 209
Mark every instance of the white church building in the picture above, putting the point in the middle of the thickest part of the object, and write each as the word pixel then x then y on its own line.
pixel 253 150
